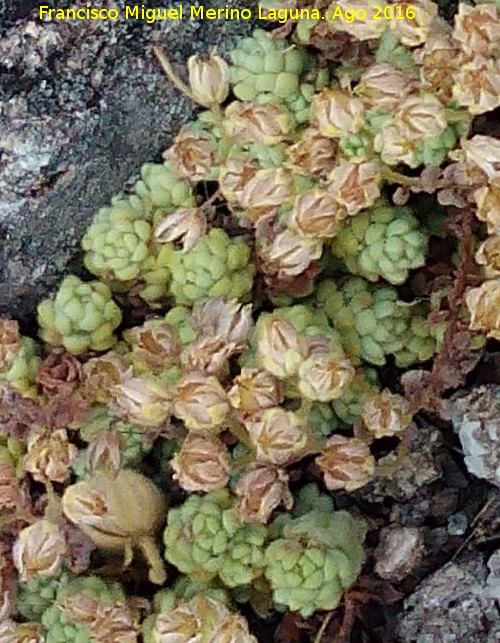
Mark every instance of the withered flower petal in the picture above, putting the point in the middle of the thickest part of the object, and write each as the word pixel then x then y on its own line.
pixel 101 373
pixel 208 355
pixel 254 390
pixel 324 376
pixel 248 122
pixel 262 488
pixel 289 254
pixel 384 87
pixel 155 344
pixel 336 113
pixel 202 464
pixel 484 307
pixel 355 186
pixel 484 153
pixel 39 550
pixel 477 29
pixel 187 225
pixel 420 117
pixel 10 493
pixel 145 400
pixel 105 452
pixel 216 317
pixel 201 402
pixel 234 174
pixel 475 85
pixel 265 191
pixel 313 154
pixel 315 214
pixel 209 80
pixel 279 347
pixel 50 456
pixel 60 372
pixel 346 463
pixel 387 414
pixel 362 28
pixel 192 155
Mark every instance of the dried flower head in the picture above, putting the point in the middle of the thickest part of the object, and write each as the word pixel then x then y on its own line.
pixel 144 400
pixel 265 191
pixel 185 225
pixel 386 414
pixel 394 147
pixel 101 374
pixel 60 373
pixel 421 117
pixel 438 59
pixel 488 206
pixel 355 186
pixel 484 307
pixel 415 31
pixel 50 456
pixel 209 80
pixel 315 214
pixel 105 452
pixel 202 464
pixel 475 85
pixel 336 113
pixel 488 255
pixel 325 372
pixel 10 341
pixel 262 488
pixel 477 29
pixel 484 152
pixel 254 390
pixel 313 154
pixel 119 513
pixel 279 437
pixel 289 254
pixel 155 344
pixel 346 463
pixel 383 86
pixel 192 155
pixel 39 550
pixel 279 347
pixel 201 402
pixel 234 174
pixel 230 320
pixel 247 122
pixel 208 355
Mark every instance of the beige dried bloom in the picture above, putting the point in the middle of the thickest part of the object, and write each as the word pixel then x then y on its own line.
pixel 438 59
pixel 325 372
pixel 387 414
pixel 145 400
pixel 101 374
pixel 475 85
pixel 336 113
pixel 360 28
pixel 201 402
pixel 266 191
pixel 8 631
pixel 315 214
pixel 484 307
pixel 154 345
pixel 202 464
pixel 10 341
pixel 234 174
pixel 248 122
pixel 488 206
pixel 262 488
pixel 383 86
pixel 279 347
pixel 312 155
pixel 209 80
pixel 60 372
pixel 394 147
pixel 39 550
pixel 289 254
pixel 279 437
pixel 208 355
pixel 346 463
pixel 415 31
pixel 119 513
pixel 484 153
pixel 105 452
pixel 230 320
pixel 192 155
pixel 254 390
pixel 49 456
pixel 179 625
pixel 185 225
pixel 488 255
pixel 355 186
pixel 477 29
pixel 421 117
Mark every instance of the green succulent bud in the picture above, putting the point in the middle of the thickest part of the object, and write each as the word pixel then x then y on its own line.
pixel 433 151
pixel 373 322
pixel 363 387
pixel 81 317
pixel 383 241
pixel 11 452
pixel 322 419
pixel 160 188
pixel 390 50
pixel 39 593
pixel 318 557
pixel 217 266
pixel 204 539
pixel 310 498
pixel 20 372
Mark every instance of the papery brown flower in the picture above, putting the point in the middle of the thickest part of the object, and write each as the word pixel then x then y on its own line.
pixel 265 192
pixel 289 254
pixel 50 456
pixel 484 307
pixel 60 372
pixel 394 147
pixel 488 255
pixel 484 153
pixel 208 355
pixel 145 400
pixel 119 513
pixel 18 414
pixel 254 390
pixel 421 117
pixel 155 344
pixel 355 186
pixel 383 86
pixel 105 452
pixel 202 464
pixel 415 31
pixel 325 373
pixel 8 631
pixel 209 80
pixel 361 28
pixel 279 437
pixel 39 550
pixel 488 206
pixel 279 347
pixel 10 341
pixel 201 402
pixel 234 174
pixel 186 225
pixel 313 154
pixel 346 463
pixel 315 214
pixel 192 155
pixel 387 414
pixel 180 625
pixel 477 29
pixel 438 59
pixel 248 122
pixel 262 488
pixel 101 373
pixel 230 320
pixel 336 113
pixel 475 85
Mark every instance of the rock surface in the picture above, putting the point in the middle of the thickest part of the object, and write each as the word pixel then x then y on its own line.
pixel 83 103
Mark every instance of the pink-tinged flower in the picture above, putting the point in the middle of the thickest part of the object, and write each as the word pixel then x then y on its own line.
pixel 202 464
pixel 484 307
pixel 234 174
pixel 475 85
pixel 383 86
pixel 145 400
pixel 289 254
pixel 394 147
pixel 39 550
pixel 50 456
pixel 186 225
pixel 60 372
pixel 209 80
pixel 421 117
pixel 262 488
pixel 477 29
pixel 325 373
pixel 154 345
pixel 265 192
pixel 192 155
pixel 101 374
pixel 336 113
pixel 279 347
pixel 386 414
pixel 315 215
pixel 313 154
pixel 484 153
pixel 201 402
pixel 355 186
pixel 346 463
pixel 230 320
pixel 208 355
pixel 254 390
pixel 438 60
pixel 256 123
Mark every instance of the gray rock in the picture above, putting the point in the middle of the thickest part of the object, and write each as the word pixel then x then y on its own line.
pixel 82 105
